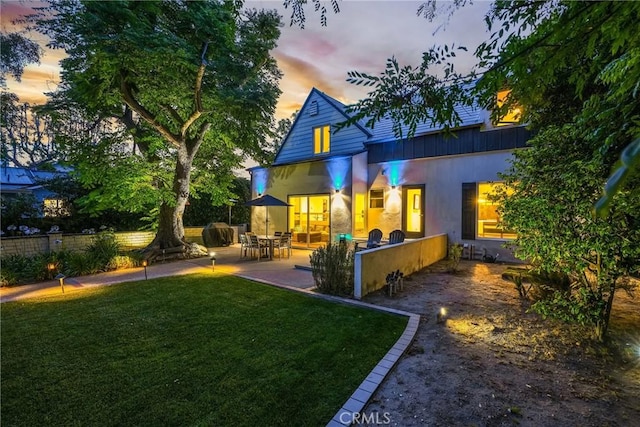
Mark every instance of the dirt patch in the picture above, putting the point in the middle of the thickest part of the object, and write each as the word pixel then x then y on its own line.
pixel 491 363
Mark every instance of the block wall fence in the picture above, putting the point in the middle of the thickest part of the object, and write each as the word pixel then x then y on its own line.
pixel 128 240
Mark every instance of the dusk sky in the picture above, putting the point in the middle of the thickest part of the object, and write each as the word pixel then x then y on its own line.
pixel 361 37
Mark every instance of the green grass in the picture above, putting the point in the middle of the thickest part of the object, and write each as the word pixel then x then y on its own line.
pixel 190 350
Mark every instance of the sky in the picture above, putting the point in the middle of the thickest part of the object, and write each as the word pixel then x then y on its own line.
pixel 361 37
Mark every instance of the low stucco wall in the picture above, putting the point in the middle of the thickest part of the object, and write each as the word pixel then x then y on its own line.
pixel 373 265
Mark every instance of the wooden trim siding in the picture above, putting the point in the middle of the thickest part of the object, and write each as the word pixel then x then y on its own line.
pixel 465 141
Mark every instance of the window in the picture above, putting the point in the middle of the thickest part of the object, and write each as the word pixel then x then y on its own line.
pixel 512 116
pixel 321 139
pixel 376 199
pixel 55 208
pixel 489 222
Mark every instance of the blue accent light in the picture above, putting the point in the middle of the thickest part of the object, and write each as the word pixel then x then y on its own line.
pixel 338 169
pixel 394 173
pixel 260 181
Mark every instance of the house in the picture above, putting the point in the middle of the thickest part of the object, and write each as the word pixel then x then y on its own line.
pixel 348 182
pixel 17 180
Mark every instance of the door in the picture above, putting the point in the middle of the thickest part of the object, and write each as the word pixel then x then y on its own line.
pixel 309 220
pixel 413 211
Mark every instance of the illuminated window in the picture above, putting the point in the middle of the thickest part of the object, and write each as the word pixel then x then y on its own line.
pixel 489 222
pixel 376 199
pixel 321 139
pixel 55 208
pixel 512 116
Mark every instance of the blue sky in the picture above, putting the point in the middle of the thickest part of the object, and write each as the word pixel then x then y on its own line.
pixel 361 37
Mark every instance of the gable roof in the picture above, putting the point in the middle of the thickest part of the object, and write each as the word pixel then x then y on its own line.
pixel 337 105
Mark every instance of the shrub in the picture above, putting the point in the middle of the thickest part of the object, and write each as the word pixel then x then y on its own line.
pixel 103 248
pixel 332 268
pixel 455 253
pixel 122 261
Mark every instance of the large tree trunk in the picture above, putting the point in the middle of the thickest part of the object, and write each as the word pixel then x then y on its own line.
pixel 170 234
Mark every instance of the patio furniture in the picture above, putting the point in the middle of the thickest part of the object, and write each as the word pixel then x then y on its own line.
pixel 396 236
pixel 257 245
pixel 282 244
pixel 244 244
pixel 375 237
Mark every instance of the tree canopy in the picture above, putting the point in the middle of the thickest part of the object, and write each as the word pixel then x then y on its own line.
pixel 192 85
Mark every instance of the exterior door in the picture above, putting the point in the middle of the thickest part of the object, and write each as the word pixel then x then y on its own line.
pixel 309 220
pixel 413 211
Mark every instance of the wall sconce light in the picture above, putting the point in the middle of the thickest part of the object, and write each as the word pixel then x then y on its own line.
pixel 337 190
pixel 61 277
pixel 212 255
pixel 259 194
pixel 144 264
pixel 393 187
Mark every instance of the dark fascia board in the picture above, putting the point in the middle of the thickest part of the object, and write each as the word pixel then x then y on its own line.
pixel 314 159
pixel 330 101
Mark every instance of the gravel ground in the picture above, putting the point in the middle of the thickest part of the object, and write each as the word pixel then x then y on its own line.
pixel 491 363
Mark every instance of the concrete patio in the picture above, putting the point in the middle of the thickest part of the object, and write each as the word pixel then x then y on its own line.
pixel 278 271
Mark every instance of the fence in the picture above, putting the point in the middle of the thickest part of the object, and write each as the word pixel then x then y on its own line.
pixel 128 240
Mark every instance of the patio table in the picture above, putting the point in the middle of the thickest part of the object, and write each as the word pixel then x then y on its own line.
pixel 270 240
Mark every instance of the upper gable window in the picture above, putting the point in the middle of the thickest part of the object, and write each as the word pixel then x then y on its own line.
pixel 321 139
pixel 512 116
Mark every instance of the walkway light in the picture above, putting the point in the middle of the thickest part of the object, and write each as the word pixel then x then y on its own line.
pixel 144 264
pixel 212 255
pixel 61 277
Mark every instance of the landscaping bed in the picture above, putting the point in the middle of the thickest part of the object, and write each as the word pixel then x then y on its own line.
pixel 491 363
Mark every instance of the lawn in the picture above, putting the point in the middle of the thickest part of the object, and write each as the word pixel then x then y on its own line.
pixel 190 350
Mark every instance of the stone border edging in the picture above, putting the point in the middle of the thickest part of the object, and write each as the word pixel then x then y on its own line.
pixel 359 399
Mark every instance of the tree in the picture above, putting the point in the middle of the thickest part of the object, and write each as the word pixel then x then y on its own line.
pixel 187 80
pixel 574 69
pixel 16 52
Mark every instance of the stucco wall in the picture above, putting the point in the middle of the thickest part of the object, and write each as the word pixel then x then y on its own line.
pixel 443 178
pixel 309 178
pixel 373 265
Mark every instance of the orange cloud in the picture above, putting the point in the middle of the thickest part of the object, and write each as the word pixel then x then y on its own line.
pixel 306 74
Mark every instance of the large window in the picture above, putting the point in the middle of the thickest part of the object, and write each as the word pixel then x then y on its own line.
pixel 321 139
pixel 489 222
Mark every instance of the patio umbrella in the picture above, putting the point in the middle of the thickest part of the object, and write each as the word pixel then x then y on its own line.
pixel 266 201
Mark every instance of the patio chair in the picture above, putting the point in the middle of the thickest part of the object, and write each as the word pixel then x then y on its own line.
pixel 257 246
pixel 277 233
pixel 245 245
pixel 396 236
pixel 375 237
pixel 282 244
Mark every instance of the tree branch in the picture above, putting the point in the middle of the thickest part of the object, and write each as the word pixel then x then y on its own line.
pixel 197 94
pixel 145 114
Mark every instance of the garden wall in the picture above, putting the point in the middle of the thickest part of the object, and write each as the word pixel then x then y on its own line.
pixel 128 240
pixel 373 265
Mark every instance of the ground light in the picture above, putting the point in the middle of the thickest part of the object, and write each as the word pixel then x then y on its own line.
pixel 50 267
pixel 61 277
pixel 144 264
pixel 212 255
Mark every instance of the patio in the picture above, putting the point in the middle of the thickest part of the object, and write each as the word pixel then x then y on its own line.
pixel 280 272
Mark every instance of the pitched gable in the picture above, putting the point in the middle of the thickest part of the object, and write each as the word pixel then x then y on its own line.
pixel 318 110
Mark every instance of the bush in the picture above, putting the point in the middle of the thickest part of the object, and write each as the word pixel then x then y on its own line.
pixel 455 253
pixel 332 268
pixel 122 261
pixel 103 248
